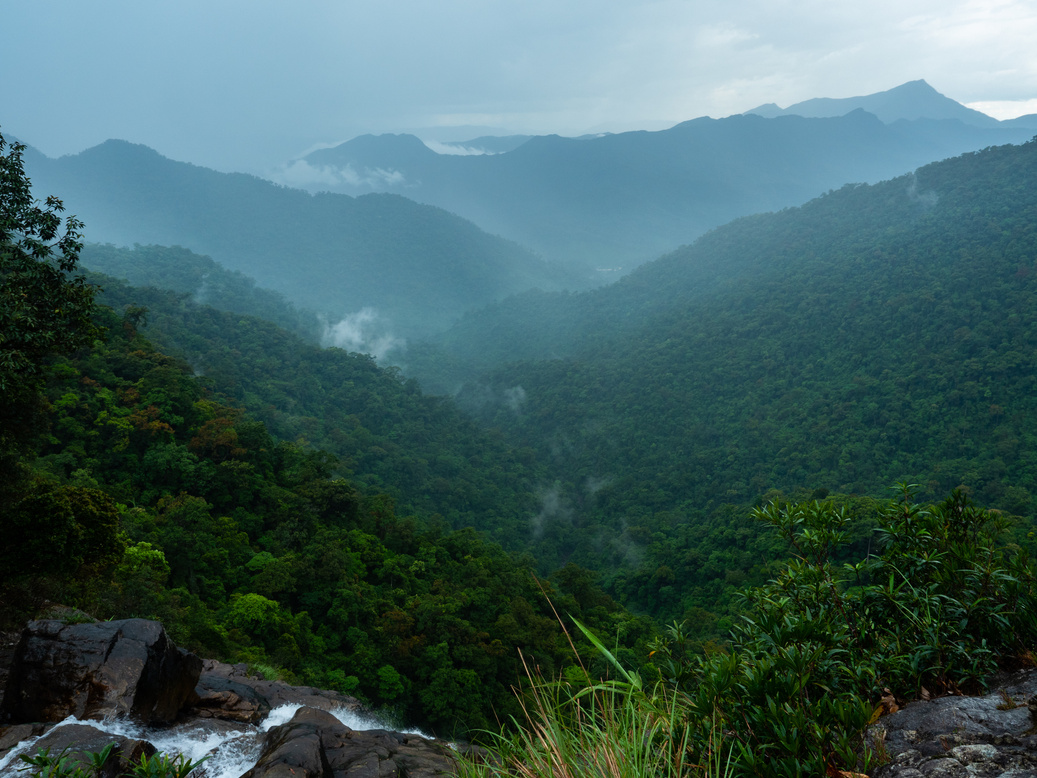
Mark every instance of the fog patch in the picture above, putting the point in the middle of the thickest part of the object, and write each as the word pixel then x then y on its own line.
pixel 302 174
pixel 480 397
pixel 927 200
pixel 373 177
pixel 594 485
pixel 515 398
pixel 457 150
pixel 553 508
pixel 364 332
pixel 630 552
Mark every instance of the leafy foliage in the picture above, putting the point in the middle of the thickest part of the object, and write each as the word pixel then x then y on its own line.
pixel 44 309
pixel 93 765
pixel 941 608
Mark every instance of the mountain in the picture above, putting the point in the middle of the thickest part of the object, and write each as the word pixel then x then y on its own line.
pixel 200 279
pixel 415 267
pixel 876 334
pixel 910 101
pixel 608 203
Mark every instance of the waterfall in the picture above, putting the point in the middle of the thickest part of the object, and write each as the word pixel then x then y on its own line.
pixel 232 748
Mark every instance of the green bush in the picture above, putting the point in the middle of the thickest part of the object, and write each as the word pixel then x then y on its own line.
pixel 943 606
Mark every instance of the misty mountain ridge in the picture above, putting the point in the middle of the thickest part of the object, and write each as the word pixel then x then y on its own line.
pixel 397 267
pixel 617 200
pixel 910 101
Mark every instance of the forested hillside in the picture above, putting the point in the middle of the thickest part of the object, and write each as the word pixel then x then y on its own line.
pixel 416 266
pixel 128 487
pixel 202 280
pixel 422 450
pixel 878 333
pixel 839 347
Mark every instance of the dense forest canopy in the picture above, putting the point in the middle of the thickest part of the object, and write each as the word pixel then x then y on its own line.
pixel 139 490
pixel 837 347
pixel 878 333
pixel 316 515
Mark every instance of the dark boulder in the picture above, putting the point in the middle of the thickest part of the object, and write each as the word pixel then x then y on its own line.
pixel 12 736
pixel 218 697
pixel 228 692
pixel 111 668
pixel 315 744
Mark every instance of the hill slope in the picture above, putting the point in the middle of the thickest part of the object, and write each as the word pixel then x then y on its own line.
pixel 619 200
pixel 418 267
pixel 877 333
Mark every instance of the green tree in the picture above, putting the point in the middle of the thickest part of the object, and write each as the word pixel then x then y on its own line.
pixel 44 309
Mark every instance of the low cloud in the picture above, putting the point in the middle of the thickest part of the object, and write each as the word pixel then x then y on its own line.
pixel 553 508
pixel 925 199
pixel 594 485
pixel 364 332
pixel 301 174
pixel 456 150
pixel 515 398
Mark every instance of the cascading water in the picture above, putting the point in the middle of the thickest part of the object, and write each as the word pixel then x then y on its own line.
pixel 231 751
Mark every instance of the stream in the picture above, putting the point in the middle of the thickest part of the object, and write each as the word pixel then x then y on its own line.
pixel 232 749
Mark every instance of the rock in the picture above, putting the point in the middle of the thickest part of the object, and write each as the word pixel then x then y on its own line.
pixel 12 736
pixel 82 739
pixel 314 744
pixel 222 698
pixel 991 735
pixel 113 668
pixel 228 692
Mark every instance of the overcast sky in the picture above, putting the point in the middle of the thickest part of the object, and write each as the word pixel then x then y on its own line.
pixel 248 84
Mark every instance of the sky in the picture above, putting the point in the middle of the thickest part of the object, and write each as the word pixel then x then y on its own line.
pixel 246 85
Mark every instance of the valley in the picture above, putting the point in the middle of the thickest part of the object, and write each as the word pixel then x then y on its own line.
pixel 354 440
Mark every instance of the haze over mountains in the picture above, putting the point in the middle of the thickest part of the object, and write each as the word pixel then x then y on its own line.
pixel 412 267
pixel 620 435
pixel 876 334
pixel 385 267
pixel 619 200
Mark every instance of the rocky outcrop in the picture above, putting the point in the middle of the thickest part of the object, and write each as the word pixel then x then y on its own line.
pixel 228 692
pixel 314 744
pixel 131 669
pixel 992 736
pixel 111 668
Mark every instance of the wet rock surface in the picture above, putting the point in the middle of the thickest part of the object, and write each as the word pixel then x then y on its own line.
pixel 989 736
pixel 131 669
pixel 315 743
pixel 112 668
pixel 228 692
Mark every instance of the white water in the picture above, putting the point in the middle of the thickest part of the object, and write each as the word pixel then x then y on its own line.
pixel 230 752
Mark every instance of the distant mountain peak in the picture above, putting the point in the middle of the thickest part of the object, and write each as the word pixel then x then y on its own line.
pixel 909 101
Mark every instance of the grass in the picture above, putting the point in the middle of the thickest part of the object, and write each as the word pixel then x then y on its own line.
pixel 612 728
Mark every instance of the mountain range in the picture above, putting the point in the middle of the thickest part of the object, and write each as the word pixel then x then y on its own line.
pixel 602 202
pixel 396 267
